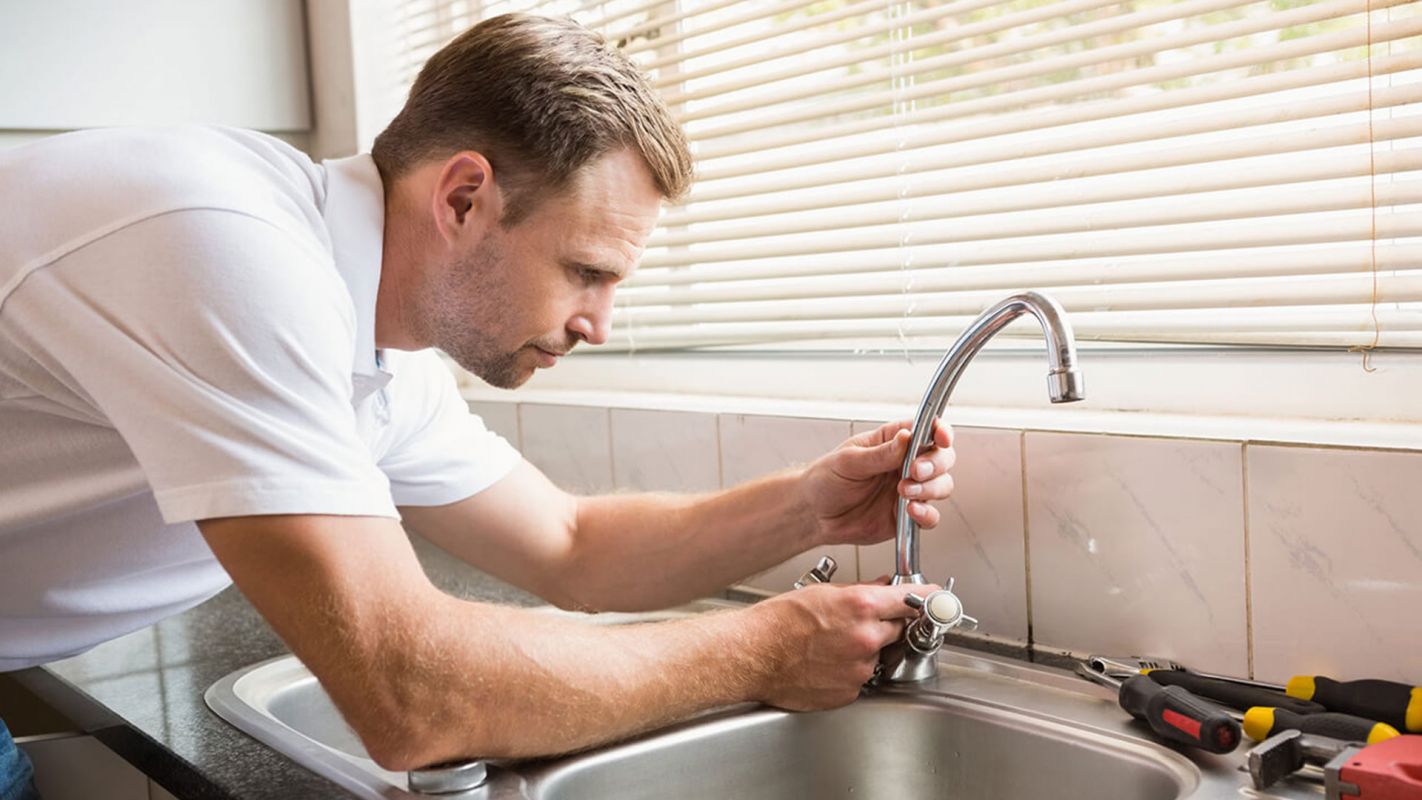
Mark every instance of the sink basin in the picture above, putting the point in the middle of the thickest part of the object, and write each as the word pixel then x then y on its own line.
pixel 986 729
pixel 890 745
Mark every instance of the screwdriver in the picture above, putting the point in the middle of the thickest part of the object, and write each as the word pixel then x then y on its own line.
pixel 1397 704
pixel 1262 722
pixel 1173 712
pixel 1234 695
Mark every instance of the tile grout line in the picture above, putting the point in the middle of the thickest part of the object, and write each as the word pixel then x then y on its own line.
pixel 518 426
pixel 1248 567
pixel 720 458
pixel 611 459
pixel 1026 544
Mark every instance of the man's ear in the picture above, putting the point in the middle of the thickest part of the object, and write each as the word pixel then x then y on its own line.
pixel 465 196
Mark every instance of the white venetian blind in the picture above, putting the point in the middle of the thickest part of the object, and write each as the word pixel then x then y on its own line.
pixel 1197 171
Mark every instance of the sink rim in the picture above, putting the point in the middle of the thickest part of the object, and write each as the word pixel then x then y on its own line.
pixel 243 697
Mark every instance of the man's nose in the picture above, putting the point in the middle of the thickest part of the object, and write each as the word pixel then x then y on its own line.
pixel 594 324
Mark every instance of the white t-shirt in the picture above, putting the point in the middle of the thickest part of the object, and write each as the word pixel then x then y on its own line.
pixel 187 331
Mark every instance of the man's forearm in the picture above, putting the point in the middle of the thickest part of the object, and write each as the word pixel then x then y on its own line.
pixel 425 677
pixel 634 552
pixel 498 682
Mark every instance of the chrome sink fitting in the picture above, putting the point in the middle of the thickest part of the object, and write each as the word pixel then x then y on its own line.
pixel 911 659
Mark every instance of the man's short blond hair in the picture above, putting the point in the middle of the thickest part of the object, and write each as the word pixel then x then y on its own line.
pixel 541 98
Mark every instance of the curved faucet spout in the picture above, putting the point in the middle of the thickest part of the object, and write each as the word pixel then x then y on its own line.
pixel 1064 385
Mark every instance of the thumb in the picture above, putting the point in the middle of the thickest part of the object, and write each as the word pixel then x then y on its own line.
pixel 865 462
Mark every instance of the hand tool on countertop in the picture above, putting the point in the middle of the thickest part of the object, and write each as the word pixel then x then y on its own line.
pixel 1261 722
pixel 1397 704
pixel 1234 695
pixel 1172 712
pixel 1388 770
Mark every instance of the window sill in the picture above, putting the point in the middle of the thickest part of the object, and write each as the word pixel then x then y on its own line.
pixel 1260 396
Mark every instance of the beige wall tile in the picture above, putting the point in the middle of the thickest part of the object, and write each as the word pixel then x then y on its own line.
pixel 1137 547
pixel 752 446
pixel 501 418
pixel 570 444
pixel 675 451
pixel 1335 541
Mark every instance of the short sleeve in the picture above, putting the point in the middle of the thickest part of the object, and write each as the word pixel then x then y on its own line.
pixel 219 345
pixel 439 451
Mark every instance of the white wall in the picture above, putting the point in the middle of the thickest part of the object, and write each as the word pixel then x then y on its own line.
pixel 67 64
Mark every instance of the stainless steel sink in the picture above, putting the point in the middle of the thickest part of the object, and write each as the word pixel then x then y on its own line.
pixel 985 729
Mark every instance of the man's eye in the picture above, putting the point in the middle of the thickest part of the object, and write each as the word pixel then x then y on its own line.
pixel 589 276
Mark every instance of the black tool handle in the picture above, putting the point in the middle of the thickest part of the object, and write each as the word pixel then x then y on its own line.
pixel 1234 695
pixel 1261 723
pixel 1179 716
pixel 1397 704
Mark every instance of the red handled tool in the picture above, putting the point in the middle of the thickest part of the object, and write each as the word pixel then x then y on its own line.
pixel 1388 770
pixel 1397 704
pixel 1172 712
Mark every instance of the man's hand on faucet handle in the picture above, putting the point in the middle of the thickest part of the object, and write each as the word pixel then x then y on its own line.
pixel 818 645
pixel 853 491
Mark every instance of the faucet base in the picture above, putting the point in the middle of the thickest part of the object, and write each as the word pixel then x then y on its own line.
pixel 900 662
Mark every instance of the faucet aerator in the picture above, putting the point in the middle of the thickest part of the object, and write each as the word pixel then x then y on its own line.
pixel 1066 386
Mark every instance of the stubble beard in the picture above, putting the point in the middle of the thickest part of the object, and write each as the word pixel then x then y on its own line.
pixel 463 310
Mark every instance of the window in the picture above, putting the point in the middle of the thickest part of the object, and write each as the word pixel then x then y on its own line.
pixel 873 174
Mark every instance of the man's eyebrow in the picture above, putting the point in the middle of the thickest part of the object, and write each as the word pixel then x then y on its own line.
pixel 573 263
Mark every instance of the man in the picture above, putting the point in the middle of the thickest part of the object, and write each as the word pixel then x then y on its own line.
pixel 214 362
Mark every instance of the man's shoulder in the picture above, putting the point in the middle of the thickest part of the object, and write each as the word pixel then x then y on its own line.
pixel 70 189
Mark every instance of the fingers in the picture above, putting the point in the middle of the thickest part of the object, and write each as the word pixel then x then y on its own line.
pixel 887 602
pixel 866 462
pixel 939 488
pixel 924 514
pixel 942 433
pixel 886 632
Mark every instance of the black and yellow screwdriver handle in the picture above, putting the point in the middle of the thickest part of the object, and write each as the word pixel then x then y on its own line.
pixel 1261 722
pixel 1233 695
pixel 1397 704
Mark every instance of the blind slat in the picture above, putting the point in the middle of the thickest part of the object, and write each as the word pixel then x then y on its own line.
pixel 1236 292
pixel 763 12
pixel 800 67
pixel 913 130
pixel 1006 277
pixel 1000 75
pixel 956 6
pixel 1104 224
pixel 1064 195
pixel 1310 45
pixel 1224 236
pixel 1158 325
pixel 959 178
pixel 1085 137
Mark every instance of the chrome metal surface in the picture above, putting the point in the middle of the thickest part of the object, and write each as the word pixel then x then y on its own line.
pixel 987 727
pixel 446 779
pixel 821 572
pixel 907 661
pixel 1064 384
pixel 913 657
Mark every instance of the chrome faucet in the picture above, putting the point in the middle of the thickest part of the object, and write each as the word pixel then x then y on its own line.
pixel 913 657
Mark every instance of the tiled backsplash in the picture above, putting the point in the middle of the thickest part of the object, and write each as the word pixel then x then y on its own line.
pixel 1230 557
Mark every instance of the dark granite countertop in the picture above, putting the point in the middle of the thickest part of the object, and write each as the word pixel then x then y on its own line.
pixel 142 694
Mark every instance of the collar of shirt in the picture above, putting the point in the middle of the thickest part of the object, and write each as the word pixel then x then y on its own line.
pixel 355 216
